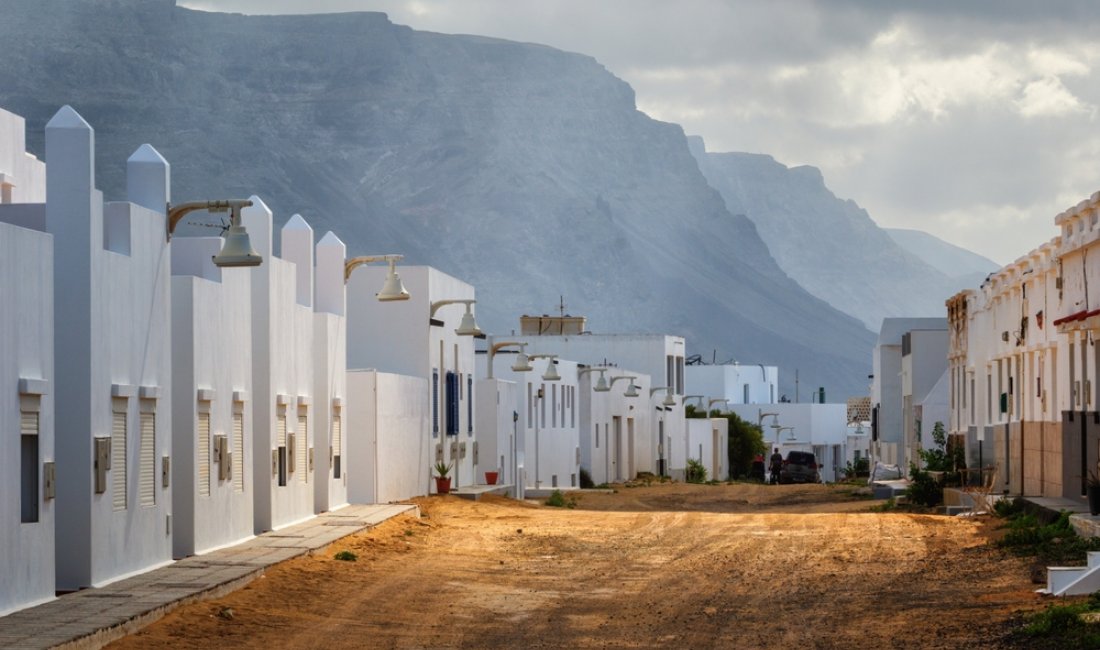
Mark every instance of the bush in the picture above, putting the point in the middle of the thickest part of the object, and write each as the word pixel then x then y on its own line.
pixel 586 480
pixel 558 500
pixel 346 556
pixel 923 489
pixel 1054 543
pixel 696 472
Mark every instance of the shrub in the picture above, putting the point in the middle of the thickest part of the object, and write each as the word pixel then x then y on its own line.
pixel 1054 543
pixel 346 556
pixel 696 472
pixel 586 480
pixel 923 489
pixel 558 500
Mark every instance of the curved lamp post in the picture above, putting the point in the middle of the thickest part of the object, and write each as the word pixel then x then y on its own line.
pixel 237 249
pixel 712 402
pixel 551 373
pixel 523 362
pixel 631 390
pixel 601 384
pixel 468 327
pixel 393 288
pixel 669 400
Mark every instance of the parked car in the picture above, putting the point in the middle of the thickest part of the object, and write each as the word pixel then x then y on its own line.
pixel 799 467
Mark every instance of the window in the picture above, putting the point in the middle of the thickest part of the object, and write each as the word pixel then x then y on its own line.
pixel 670 371
pixel 451 416
pixel 745 394
pixel 554 405
pixel 679 375
pixel 204 454
pixel 530 408
pixel 337 443
pixel 28 467
pixel 435 403
pixel 238 446
pixel 147 455
pixel 597 426
pixel 572 406
pixel 118 455
pixel 542 404
pixel 280 443
pixel 301 439
pixel 470 404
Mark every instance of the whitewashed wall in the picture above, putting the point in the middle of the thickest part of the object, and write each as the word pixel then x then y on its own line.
pixel 211 381
pixel 282 367
pixel 330 376
pixel 26 384
pixel 496 429
pixel 22 176
pixel 112 342
pixel 708 443
pixel 388 455
pixel 397 337
pixel 740 384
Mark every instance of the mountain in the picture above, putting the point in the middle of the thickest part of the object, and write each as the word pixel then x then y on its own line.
pixel 829 246
pixel 967 267
pixel 524 170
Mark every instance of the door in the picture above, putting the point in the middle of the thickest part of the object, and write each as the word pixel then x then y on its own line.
pixel 716 456
pixel 616 446
pixel 629 464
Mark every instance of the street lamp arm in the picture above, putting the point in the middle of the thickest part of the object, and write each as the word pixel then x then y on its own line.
pixel 600 369
pixel 356 262
pixel 659 388
pixel 176 212
pixel 615 379
pixel 443 303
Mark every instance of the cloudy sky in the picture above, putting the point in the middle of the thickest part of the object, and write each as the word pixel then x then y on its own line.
pixel 974 121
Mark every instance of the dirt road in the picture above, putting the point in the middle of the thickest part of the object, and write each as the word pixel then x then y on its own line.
pixel 743 566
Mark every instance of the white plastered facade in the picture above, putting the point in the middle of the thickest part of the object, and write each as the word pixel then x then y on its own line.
pixel 330 377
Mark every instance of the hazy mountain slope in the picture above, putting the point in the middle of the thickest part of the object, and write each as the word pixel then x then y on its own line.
pixel 952 260
pixel 524 170
pixel 829 246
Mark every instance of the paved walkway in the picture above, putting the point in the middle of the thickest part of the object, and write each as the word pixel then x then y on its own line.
pixel 91 618
pixel 1085 524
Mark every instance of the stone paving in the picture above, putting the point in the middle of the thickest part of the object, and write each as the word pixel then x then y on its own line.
pixel 91 618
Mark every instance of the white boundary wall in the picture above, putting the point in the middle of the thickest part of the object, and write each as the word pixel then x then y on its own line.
pixel 330 376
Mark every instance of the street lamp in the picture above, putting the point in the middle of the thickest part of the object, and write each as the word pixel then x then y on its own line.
pixel 392 289
pixel 631 390
pixel 698 397
pixel 669 400
pixel 601 384
pixel 760 415
pixel 551 373
pixel 468 327
pixel 237 250
pixel 712 402
pixel 522 364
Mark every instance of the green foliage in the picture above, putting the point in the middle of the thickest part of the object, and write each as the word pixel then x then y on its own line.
pixel 1006 508
pixel 886 506
pixel 442 469
pixel 696 472
pixel 923 489
pixel 746 440
pixel 940 458
pixel 1054 543
pixel 862 467
pixel 692 411
pixel 586 480
pixel 346 556
pixel 1063 626
pixel 558 500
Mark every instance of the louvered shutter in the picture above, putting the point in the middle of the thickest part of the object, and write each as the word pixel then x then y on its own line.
pixel 147 472
pixel 451 423
pixel 28 423
pixel 238 452
pixel 280 431
pixel 302 452
pixel 435 402
pixel 470 404
pixel 204 454
pixel 118 461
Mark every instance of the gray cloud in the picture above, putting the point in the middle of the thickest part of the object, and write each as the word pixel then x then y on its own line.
pixel 973 121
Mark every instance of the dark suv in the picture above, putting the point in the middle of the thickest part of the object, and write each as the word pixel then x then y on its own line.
pixel 799 467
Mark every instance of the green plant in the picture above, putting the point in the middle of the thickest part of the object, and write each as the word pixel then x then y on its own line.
pixel 923 489
pixel 885 506
pixel 1055 543
pixel 558 500
pixel 1005 508
pixel 443 469
pixel 1064 626
pixel 696 472
pixel 586 480
pixel 346 556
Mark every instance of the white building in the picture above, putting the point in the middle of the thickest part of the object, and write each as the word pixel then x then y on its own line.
pixel 736 383
pixel 283 408
pixel 708 445
pixel 212 440
pixel 112 346
pixel 417 338
pixel 26 377
pixel 888 442
pixel 615 438
pixel 497 429
pixel 657 356
pixel 330 376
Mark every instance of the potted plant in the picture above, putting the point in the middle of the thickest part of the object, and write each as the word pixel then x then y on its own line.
pixel 491 477
pixel 1092 489
pixel 442 480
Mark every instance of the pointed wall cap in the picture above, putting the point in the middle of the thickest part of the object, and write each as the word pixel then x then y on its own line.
pixel 67 118
pixel 297 222
pixel 330 239
pixel 147 153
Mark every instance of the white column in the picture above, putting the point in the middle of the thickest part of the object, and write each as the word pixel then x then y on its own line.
pixel 148 179
pixel 331 254
pixel 297 247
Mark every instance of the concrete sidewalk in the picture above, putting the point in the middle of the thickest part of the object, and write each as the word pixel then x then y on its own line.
pixel 91 618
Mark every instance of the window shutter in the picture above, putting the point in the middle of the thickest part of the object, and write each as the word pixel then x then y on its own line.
pixel 470 405
pixel 28 423
pixel 204 454
pixel 452 404
pixel 302 441
pixel 337 435
pixel 118 461
pixel 435 402
pixel 147 473
pixel 280 431
pixel 238 452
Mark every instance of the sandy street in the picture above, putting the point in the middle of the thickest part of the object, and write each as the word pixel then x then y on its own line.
pixel 687 566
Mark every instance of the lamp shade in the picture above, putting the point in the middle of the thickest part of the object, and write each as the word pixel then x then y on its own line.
pixel 468 327
pixel 522 364
pixel 393 289
pixel 237 250
pixel 631 390
pixel 601 385
pixel 551 373
pixel 669 400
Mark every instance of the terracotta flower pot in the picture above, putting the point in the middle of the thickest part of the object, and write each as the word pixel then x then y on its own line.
pixel 443 484
pixel 491 478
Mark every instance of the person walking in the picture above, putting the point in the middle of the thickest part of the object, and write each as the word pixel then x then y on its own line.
pixel 776 465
